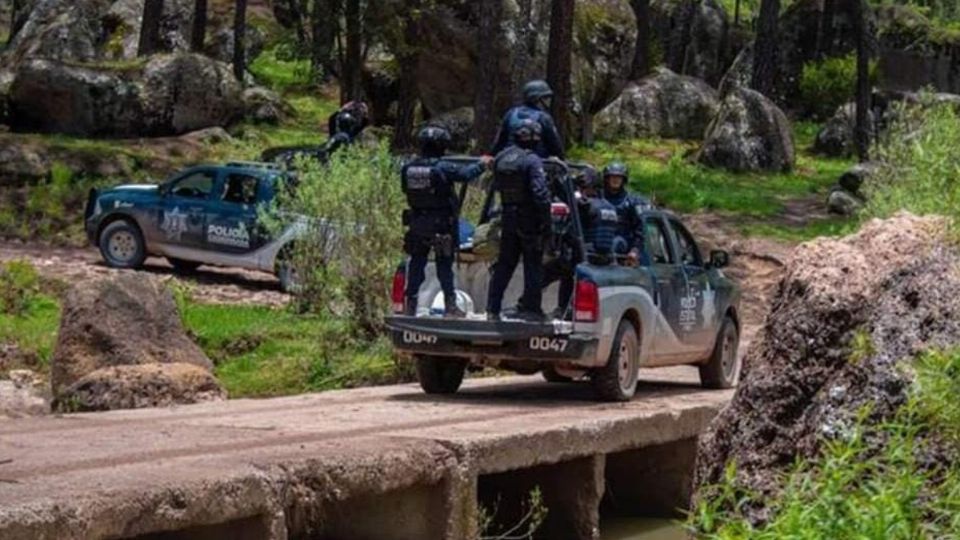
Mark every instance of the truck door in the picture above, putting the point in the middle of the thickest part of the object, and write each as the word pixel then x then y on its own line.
pixel 232 219
pixel 182 215
pixel 667 273
pixel 699 316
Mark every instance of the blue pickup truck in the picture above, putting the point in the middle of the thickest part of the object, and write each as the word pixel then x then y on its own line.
pixel 209 214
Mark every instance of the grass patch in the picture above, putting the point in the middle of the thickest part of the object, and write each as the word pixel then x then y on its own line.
pixel 261 352
pixel 34 330
pixel 832 227
pixel 280 70
pixel 854 490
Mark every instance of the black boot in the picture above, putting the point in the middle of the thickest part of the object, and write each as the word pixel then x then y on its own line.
pixel 451 310
pixel 410 307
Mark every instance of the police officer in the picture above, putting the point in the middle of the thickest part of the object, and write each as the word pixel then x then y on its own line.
pixel 432 219
pixel 346 128
pixel 537 97
pixel 630 234
pixel 525 199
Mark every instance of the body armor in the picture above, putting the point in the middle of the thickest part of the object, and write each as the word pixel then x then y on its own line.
pixel 511 177
pixel 425 187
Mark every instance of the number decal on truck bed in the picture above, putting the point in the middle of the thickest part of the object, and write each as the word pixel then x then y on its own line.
pixel 418 338
pixel 548 344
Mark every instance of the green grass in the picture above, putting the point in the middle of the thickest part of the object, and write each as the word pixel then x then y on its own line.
pixel 856 491
pixel 36 330
pixel 262 351
pixel 278 72
pixel 831 227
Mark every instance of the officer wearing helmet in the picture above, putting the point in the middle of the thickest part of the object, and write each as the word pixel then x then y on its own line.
pixel 431 221
pixel 599 220
pixel 520 180
pixel 630 208
pixel 537 97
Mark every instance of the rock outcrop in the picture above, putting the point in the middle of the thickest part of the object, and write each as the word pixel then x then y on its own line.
pixel 694 36
pixel 140 386
pixel 750 133
pixel 23 394
pixel 846 198
pixel 662 105
pixel 848 313
pixel 836 137
pixel 126 321
pixel 265 106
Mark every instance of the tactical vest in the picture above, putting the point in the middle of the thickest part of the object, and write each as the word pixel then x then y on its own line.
pixel 602 225
pixel 626 214
pixel 510 170
pixel 426 187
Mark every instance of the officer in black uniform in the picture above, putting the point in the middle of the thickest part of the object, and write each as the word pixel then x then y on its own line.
pixel 630 233
pixel 537 96
pixel 525 198
pixel 599 220
pixel 432 219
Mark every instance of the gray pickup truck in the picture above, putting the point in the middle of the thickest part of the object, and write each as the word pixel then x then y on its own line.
pixel 680 309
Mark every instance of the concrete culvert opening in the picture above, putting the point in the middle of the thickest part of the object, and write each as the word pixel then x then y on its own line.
pixel 251 528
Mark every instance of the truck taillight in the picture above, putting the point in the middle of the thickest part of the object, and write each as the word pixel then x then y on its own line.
pixel 398 293
pixel 586 302
pixel 559 209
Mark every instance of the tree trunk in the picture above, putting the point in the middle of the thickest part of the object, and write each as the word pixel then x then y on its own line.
pixel 297 14
pixel 736 13
pixel 199 32
pixel 150 27
pixel 641 55
pixel 825 46
pixel 559 60
pixel 862 128
pixel 407 85
pixel 325 17
pixel 353 64
pixel 765 48
pixel 488 73
pixel 239 40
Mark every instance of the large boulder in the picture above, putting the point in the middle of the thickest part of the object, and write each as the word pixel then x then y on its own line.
pixel 663 104
pixel 122 321
pixel 187 92
pixel 221 44
pixel 750 133
pixel 849 313
pixel 51 97
pixel 23 394
pixel 265 106
pixel 140 386
pixel 694 37
pixel 836 137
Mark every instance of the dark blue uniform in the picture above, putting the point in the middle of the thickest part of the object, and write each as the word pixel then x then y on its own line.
pixel 630 225
pixel 550 144
pixel 525 198
pixel 599 219
pixel 432 219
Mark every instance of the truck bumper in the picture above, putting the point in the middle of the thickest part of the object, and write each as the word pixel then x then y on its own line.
pixel 509 340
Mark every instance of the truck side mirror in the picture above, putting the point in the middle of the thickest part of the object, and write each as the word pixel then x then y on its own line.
pixel 719 259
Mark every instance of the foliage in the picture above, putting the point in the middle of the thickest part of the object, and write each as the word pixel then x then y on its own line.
pixel 526 526
pixel 919 167
pixel 905 487
pixel 34 331
pixel 829 83
pixel 279 68
pixel 19 287
pixel 353 238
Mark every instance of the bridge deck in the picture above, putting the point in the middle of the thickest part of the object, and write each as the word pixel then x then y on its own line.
pixel 276 461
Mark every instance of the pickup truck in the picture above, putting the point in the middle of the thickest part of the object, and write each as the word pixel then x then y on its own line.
pixel 680 309
pixel 208 214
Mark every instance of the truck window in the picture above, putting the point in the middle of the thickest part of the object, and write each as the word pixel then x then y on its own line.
pixel 240 189
pixel 196 185
pixel 689 254
pixel 657 244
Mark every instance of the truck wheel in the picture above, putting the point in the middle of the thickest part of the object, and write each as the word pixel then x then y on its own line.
pixel 183 266
pixel 122 246
pixel 723 369
pixel 440 375
pixel 617 381
pixel 551 375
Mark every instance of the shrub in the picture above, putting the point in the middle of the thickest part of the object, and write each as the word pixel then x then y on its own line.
pixel 19 287
pixel 353 234
pixel 827 84
pixel 919 167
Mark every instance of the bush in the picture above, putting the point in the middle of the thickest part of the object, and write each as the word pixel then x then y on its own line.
pixel 19 287
pixel 353 235
pixel 827 84
pixel 919 167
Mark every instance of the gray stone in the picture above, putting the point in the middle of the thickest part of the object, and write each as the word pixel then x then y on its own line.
pixel 852 180
pixel 693 36
pixel 836 137
pixel 265 106
pixel 662 105
pixel 123 20
pixel 141 386
pixel 843 202
pixel 221 44
pixel 750 133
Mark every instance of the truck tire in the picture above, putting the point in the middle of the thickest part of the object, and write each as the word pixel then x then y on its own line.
pixel 723 369
pixel 551 375
pixel 183 266
pixel 440 375
pixel 617 381
pixel 121 245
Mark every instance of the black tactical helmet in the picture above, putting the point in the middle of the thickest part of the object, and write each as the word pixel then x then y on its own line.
pixel 527 133
pixel 433 140
pixel 534 92
pixel 616 169
pixel 588 179
pixel 347 123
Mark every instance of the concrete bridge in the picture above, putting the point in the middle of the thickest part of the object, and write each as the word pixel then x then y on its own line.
pixel 379 463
